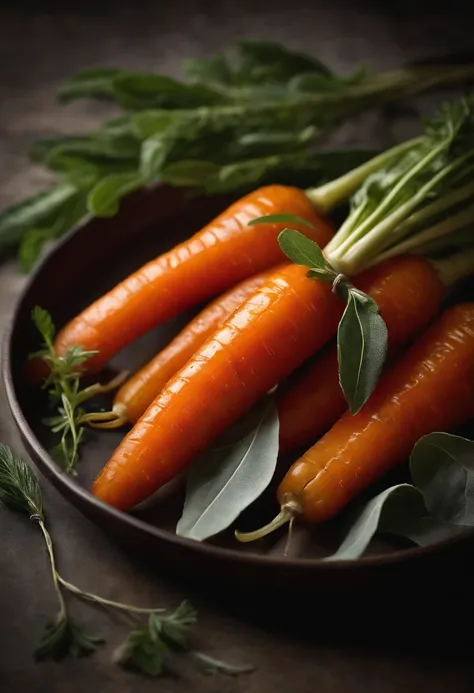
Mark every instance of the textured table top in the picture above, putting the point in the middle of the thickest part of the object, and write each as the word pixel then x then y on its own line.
pixel 39 47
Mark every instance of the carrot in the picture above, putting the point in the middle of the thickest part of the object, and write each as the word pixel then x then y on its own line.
pixel 408 292
pixel 223 253
pixel 430 388
pixel 261 343
pixel 133 398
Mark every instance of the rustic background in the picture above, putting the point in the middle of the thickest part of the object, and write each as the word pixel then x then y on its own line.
pixel 40 45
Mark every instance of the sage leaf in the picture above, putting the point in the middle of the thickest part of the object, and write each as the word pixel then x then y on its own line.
pixel 225 481
pixel 301 250
pixel 402 500
pixel 361 349
pixel 442 467
pixel 104 198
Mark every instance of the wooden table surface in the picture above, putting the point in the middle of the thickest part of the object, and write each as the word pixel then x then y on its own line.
pixel 39 47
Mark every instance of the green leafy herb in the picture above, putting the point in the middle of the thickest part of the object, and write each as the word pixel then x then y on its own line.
pixel 237 121
pixel 19 487
pixel 228 479
pixel 103 200
pixel 403 501
pixel 362 333
pixel 361 348
pixel 63 637
pixel 423 195
pixel 96 82
pixel 438 506
pixel 439 462
pixel 211 665
pixel 145 650
pixel 66 395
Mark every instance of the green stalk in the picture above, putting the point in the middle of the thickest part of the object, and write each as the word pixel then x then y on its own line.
pixel 327 196
pixel 455 268
pixel 335 248
pixel 361 249
pixel 443 228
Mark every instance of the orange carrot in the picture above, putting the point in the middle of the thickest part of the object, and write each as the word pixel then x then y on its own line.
pixel 430 388
pixel 225 252
pixel 261 343
pixel 408 292
pixel 135 396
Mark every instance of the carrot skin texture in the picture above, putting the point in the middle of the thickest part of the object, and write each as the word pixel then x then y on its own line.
pixel 270 335
pixel 408 293
pixel 136 395
pixel 430 388
pixel 223 253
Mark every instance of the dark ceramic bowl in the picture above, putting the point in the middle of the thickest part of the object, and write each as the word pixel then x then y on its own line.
pixel 88 261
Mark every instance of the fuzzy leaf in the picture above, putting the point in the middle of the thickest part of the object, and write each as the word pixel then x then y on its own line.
pixel 362 347
pixel 442 467
pixel 301 250
pixel 222 483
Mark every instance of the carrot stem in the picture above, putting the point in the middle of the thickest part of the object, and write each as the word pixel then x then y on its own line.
pixel 327 196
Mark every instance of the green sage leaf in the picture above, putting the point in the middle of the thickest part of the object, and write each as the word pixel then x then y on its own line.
pixel 301 250
pixel 361 349
pixel 104 198
pixel 403 501
pixel 442 467
pixel 222 483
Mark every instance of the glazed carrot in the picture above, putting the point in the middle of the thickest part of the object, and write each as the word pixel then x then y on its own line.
pixel 225 252
pixel 262 342
pixel 430 388
pixel 139 391
pixel 408 292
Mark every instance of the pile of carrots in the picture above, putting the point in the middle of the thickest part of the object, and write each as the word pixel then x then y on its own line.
pixel 267 319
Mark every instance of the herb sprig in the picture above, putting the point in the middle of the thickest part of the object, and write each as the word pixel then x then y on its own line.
pixel 145 650
pixel 233 123
pixel 63 386
pixel 416 198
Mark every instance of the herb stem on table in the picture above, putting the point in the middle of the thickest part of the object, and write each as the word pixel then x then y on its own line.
pixel 145 651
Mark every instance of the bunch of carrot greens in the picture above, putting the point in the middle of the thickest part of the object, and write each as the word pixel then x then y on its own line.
pixel 233 124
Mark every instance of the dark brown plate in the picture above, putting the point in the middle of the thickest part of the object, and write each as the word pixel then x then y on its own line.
pixel 83 265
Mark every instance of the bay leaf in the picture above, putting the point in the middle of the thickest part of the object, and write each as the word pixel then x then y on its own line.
pixel 226 480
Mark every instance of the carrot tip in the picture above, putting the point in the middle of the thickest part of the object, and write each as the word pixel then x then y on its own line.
pixel 107 419
pixel 288 511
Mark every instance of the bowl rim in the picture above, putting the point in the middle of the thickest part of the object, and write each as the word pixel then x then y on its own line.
pixel 63 481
